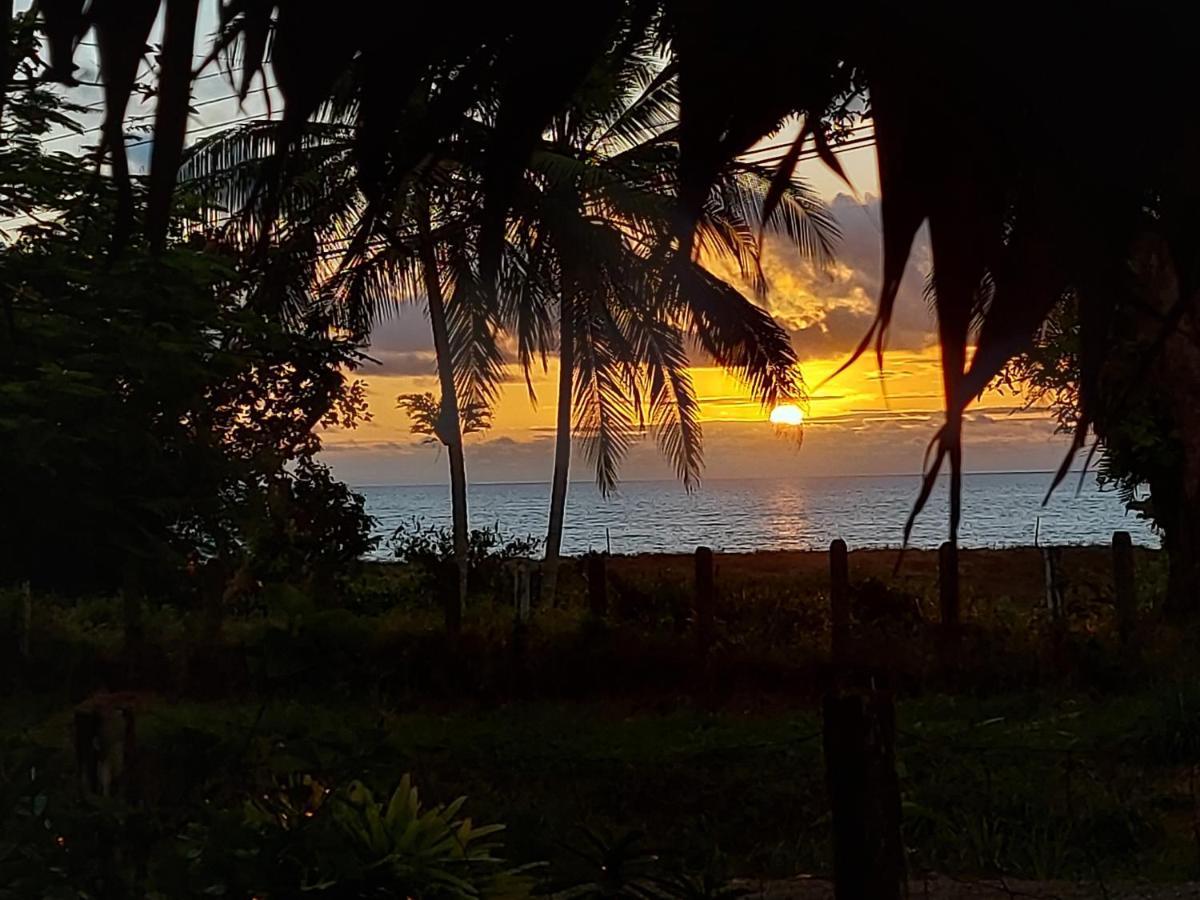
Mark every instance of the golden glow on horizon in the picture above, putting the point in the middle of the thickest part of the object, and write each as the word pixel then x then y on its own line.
pixel 787 415
pixel 911 384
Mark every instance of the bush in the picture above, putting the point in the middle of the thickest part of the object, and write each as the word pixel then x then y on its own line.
pixel 152 421
pixel 297 837
pixel 429 551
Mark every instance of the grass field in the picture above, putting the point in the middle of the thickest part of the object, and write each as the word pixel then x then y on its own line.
pixel 1034 751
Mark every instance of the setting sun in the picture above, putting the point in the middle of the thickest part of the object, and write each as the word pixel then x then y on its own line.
pixel 787 414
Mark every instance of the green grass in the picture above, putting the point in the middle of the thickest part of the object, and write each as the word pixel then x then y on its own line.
pixel 1037 762
pixel 988 785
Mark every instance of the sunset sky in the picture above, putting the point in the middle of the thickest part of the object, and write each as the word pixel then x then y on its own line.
pixel 852 426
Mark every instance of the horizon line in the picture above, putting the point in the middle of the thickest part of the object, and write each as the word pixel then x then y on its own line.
pixel 590 482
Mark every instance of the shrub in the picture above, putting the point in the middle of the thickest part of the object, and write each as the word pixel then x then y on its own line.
pixel 301 836
pixel 429 550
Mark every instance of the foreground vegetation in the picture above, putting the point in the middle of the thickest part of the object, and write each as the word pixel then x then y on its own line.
pixel 246 704
pixel 1030 752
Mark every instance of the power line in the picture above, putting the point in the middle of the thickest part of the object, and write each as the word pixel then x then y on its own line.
pixel 93 45
pixel 333 247
pixel 234 121
pixel 99 104
pixel 142 143
pixel 202 103
pixel 845 146
pixel 854 144
pixel 786 145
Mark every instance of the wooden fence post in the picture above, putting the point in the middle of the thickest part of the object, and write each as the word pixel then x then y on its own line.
pixel 24 621
pixel 948 598
pixel 860 767
pixel 1051 566
pixel 705 600
pixel 104 744
pixel 451 602
pixel 839 599
pixel 521 590
pixel 1123 581
pixel 597 581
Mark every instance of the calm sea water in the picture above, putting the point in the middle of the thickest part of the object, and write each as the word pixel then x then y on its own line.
pixel 999 510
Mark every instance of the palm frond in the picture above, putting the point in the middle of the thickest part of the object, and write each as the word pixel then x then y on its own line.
pixel 741 337
pixel 527 279
pixel 370 281
pixel 645 116
pixel 475 324
pixel 427 416
pixel 604 409
pixel 674 411
pixel 800 215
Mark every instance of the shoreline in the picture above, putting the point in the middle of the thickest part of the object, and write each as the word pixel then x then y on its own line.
pixel 862 552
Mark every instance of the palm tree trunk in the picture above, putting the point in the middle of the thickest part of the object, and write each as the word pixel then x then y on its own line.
pixel 562 452
pixel 1181 503
pixel 1178 365
pixel 1180 541
pixel 6 63
pixel 450 425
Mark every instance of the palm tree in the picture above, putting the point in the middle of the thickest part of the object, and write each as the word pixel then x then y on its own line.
pixel 425 413
pixel 593 222
pixel 327 246
pixel 587 246
pixel 1037 208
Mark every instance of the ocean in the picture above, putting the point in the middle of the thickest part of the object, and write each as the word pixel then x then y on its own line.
pixel 999 510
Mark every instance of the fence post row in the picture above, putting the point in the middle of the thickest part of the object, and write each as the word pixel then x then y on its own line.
pixel 859 733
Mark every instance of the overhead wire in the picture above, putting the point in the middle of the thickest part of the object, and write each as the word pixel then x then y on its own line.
pixel 198 105
pixel 751 156
pixel 836 149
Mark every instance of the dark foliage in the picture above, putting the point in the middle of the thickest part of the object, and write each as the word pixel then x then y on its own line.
pixel 1018 186
pixel 152 422
pixel 1141 429
pixel 429 553
pixel 149 418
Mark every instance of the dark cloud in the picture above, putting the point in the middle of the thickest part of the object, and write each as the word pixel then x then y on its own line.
pixel 406 331
pixel 827 311
pixel 836 330
pixel 349 448
pixel 401 362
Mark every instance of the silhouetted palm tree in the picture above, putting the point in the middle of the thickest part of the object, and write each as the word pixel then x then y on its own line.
pixel 587 245
pixel 1017 184
pixel 326 246
pixel 425 413
pixel 594 219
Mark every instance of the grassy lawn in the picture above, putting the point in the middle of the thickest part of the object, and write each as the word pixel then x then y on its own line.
pixel 1081 767
pixel 1035 786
